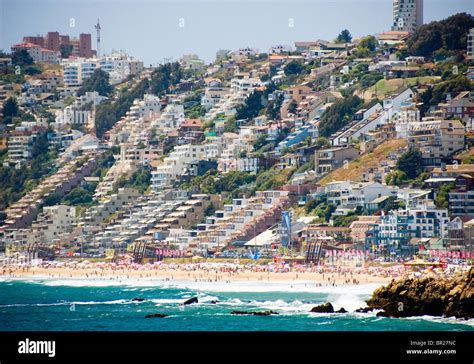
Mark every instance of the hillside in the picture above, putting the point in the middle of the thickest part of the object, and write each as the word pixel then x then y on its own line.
pixel 370 160
pixel 385 87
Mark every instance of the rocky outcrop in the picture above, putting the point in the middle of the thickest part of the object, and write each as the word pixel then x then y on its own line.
pixel 255 313
pixel 156 315
pixel 341 310
pixel 191 301
pixel 138 299
pixel 426 296
pixel 324 308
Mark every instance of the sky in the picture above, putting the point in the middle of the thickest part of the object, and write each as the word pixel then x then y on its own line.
pixel 158 30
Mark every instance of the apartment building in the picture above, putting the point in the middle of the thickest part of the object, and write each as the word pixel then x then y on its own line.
pixel 470 45
pixel 81 46
pixel 19 145
pixel 244 85
pixel 325 160
pixel 213 95
pixel 193 62
pixel 80 111
pixel 396 229
pixel 436 139
pixel 409 113
pixel 176 164
pixel 146 108
pixel 54 221
pixel 38 53
pixel 109 205
pixel 461 198
pixel 349 194
pixel 119 66
pixel 77 70
pixel 364 120
pixel 250 165
pixel 460 107
pixel 407 15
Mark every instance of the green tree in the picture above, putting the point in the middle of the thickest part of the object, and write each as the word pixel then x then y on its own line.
pixel 396 178
pixel 442 198
pixel 251 108
pixel 322 143
pixel 10 108
pixel 99 82
pixel 230 125
pixel 66 50
pixel 22 58
pixel 369 42
pixel 411 163
pixel 440 36
pixel 344 37
pixel 338 114
pixel 293 68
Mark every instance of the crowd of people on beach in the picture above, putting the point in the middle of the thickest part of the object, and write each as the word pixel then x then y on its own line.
pixel 218 272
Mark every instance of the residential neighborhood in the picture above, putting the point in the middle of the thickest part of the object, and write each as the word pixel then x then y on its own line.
pixel 205 159
pixel 186 176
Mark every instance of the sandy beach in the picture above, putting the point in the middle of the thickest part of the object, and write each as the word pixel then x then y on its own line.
pixel 325 276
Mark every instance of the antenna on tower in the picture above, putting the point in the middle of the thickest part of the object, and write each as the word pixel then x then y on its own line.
pixel 97 27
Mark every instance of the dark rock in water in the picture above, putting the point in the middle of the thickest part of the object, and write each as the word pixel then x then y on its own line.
pixel 265 313
pixel 426 296
pixel 213 302
pixel 364 309
pixel 341 310
pixel 156 315
pixel 255 313
pixel 190 301
pixel 138 299
pixel 324 308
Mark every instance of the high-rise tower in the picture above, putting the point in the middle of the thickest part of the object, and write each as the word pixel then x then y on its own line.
pixel 97 28
pixel 407 15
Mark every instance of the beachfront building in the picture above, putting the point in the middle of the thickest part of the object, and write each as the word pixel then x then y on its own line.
pixel 395 230
pixel 54 221
pixel 110 204
pixel 461 198
pixel 240 220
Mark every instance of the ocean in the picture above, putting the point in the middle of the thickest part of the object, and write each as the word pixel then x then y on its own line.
pixel 85 305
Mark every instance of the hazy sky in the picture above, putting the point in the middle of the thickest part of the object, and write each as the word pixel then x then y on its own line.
pixel 150 29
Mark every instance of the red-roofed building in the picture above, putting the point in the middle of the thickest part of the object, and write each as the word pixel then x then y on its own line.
pixel 190 125
pixel 81 46
pixel 38 53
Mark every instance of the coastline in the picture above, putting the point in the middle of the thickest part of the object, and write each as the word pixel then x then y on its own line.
pixel 171 275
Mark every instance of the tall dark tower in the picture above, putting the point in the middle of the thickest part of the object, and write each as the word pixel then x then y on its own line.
pixel 97 28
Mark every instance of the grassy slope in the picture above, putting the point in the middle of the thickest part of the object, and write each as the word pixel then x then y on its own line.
pixel 363 163
pixel 385 87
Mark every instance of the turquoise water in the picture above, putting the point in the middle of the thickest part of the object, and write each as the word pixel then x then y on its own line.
pixel 79 305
